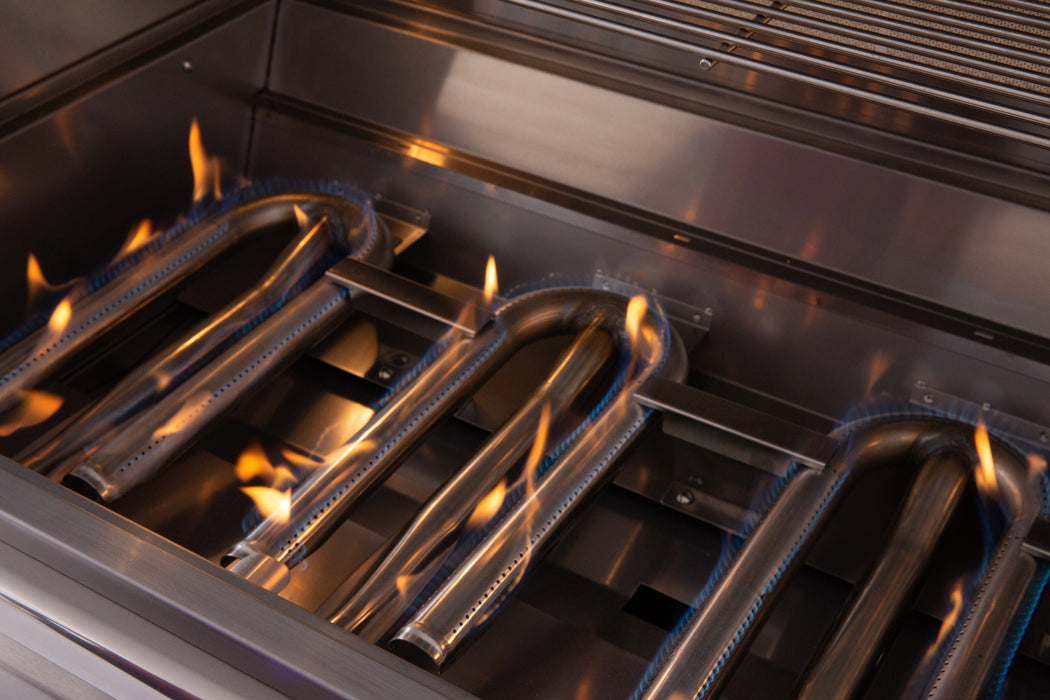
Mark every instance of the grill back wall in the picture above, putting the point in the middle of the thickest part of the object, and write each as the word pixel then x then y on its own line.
pixel 842 251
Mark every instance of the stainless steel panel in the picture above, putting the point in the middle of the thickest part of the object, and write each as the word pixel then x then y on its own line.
pixel 806 347
pixel 123 585
pixel 935 243
pixel 39 38
pixel 73 184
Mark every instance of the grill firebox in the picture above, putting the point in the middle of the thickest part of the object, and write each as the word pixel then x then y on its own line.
pixel 756 409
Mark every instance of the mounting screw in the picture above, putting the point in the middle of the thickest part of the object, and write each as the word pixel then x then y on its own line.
pixel 921 384
pixel 706 64
pixel 927 398
pixel 385 374
pixel 697 317
pixel 1044 438
pixel 187 65
pixel 605 286
pixel 684 497
pixel 986 406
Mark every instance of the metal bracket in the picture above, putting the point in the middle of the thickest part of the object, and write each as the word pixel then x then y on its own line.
pixel 735 430
pixel 691 322
pixel 406 224
pixel 996 421
pixel 1037 542
pixel 355 274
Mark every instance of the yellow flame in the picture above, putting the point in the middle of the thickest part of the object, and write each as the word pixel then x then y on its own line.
pixel 985 476
pixel 206 169
pixel 491 283
pixel 60 318
pixel 271 503
pixel 636 309
pixel 488 506
pixel 34 407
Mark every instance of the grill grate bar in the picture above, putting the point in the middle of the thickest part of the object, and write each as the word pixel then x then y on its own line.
pixel 930 82
pixel 898 43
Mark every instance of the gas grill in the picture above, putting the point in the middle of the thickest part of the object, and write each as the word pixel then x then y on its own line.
pixel 525 349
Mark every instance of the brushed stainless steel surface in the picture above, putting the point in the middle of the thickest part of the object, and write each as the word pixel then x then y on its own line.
pixel 412 558
pixel 118 584
pixel 778 336
pixel 852 650
pixel 99 162
pixel 355 274
pixel 803 446
pixel 36 41
pixel 842 216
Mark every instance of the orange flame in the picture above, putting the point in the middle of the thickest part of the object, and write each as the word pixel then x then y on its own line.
pixel 271 503
pixel 206 169
pixel 402 582
pixel 880 363
pixel 491 284
pixel 60 318
pixel 953 614
pixel 253 463
pixel 140 236
pixel 298 460
pixel 985 475
pixel 488 506
pixel 34 407
pixel 35 280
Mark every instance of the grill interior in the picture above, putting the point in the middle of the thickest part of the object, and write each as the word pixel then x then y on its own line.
pixel 808 188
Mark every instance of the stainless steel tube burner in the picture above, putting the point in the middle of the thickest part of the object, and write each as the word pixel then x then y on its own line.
pixel 712 641
pixel 463 364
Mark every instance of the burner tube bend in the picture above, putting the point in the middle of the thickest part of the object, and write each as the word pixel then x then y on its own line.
pixel 101 301
pixel 715 638
pixel 402 423
pixel 344 225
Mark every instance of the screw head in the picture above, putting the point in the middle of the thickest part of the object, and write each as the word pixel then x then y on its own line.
pixel 927 398
pixel 706 64
pixel 1044 438
pixel 684 497
pixel 385 374
pixel 986 406
pixel 187 65
pixel 697 317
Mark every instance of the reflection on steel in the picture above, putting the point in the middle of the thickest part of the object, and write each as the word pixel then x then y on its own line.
pixel 716 636
pixel 101 301
pixel 319 503
pixel 345 225
pixel 474 590
pixel 849 655
pixel 155 437
pixel 413 557
pixel 433 304
pixel 746 424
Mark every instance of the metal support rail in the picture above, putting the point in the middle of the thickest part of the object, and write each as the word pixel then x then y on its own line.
pixel 812 61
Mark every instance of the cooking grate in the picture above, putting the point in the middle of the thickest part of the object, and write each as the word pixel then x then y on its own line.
pixel 980 66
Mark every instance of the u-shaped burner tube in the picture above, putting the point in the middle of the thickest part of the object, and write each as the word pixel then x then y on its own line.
pixel 699 659
pixel 319 503
pixel 345 225
pixel 411 560
pixel 101 301
pixel 145 442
